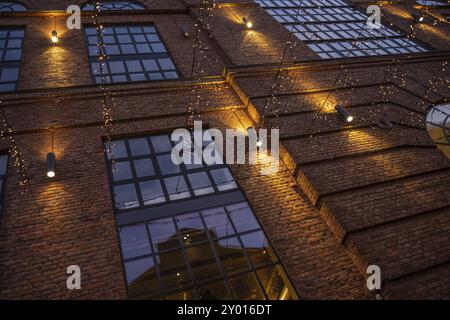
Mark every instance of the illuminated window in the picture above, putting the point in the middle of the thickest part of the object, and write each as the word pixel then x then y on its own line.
pixel 11 7
pixel 438 126
pixel 432 2
pixel 11 40
pixel 135 53
pixel 3 169
pixel 187 231
pixel 330 27
pixel 115 5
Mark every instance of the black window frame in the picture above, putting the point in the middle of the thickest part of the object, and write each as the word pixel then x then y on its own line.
pixel 178 208
pixel 155 57
pixel 369 42
pixel 20 7
pixel 16 64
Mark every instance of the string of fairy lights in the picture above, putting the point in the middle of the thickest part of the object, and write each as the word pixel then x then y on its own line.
pixel 107 96
pixel 204 15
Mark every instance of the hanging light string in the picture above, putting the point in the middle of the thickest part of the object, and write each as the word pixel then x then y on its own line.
pixel 15 152
pixel 107 96
pixel 200 56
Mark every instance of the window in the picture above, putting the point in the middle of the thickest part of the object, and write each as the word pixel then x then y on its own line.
pixel 432 2
pixel 11 40
pixel 438 126
pixel 330 28
pixel 187 231
pixel 114 5
pixel 3 169
pixel 11 7
pixel 135 53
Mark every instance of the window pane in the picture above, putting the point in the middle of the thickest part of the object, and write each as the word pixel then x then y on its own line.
pixel 134 241
pixel 176 188
pixel 151 192
pixel 258 249
pixel 125 196
pixel 272 279
pixel 245 287
pixel 119 150
pixel 191 228
pixel 144 168
pixel 203 262
pixel 139 146
pixel 223 179
pixel 200 183
pixel 164 235
pixel 217 222
pixel 173 270
pixel 214 291
pixel 242 216
pixel 122 171
pixel 3 164
pixel 166 165
pixel 161 143
pixel 231 255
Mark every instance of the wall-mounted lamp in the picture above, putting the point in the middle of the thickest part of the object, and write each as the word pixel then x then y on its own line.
pixel 247 23
pixel 51 161
pixel 51 165
pixel 54 36
pixel 184 31
pixel 418 17
pixel 343 114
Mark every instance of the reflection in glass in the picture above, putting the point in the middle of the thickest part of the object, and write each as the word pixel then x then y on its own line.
pixel 166 165
pixel 245 287
pixel 138 146
pixel 273 283
pixel 243 217
pixel 173 270
pixel 176 188
pixel 163 234
pixel 119 149
pixel 151 192
pixel 200 183
pixel 134 241
pixel 231 255
pixel 258 249
pixel 217 221
pixel 161 143
pixel 125 196
pixel 141 278
pixel 191 228
pixel 202 262
pixel 122 171
pixel 214 291
pixel 223 179
pixel 144 168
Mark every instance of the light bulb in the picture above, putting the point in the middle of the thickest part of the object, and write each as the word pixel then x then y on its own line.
pixel 54 36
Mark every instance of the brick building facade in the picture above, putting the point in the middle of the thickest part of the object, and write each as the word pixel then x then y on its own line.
pixel 346 195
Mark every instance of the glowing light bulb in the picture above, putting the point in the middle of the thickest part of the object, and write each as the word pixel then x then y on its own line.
pixel 54 36
pixel 247 23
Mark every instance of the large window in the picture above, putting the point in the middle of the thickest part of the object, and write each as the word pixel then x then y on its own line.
pixel 334 29
pixel 11 40
pixel 432 2
pixel 438 126
pixel 135 53
pixel 3 169
pixel 114 5
pixel 11 7
pixel 187 231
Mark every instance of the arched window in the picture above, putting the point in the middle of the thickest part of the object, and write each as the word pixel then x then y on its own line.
pixel 11 7
pixel 115 5
pixel 438 126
